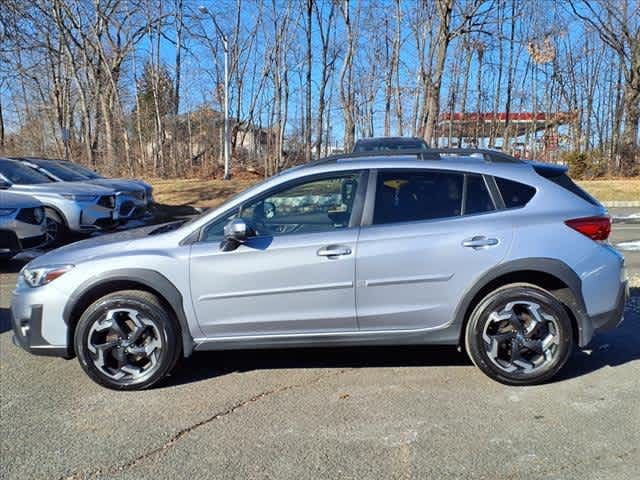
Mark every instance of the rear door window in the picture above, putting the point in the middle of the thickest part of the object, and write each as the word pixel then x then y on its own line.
pixel 478 199
pixel 410 195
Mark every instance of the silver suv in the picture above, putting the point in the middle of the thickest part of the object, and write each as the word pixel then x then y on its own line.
pixel 132 200
pixel 69 206
pixel 508 259
pixel 22 224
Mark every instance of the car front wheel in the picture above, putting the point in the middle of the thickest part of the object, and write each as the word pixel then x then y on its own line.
pixel 56 230
pixel 519 334
pixel 127 340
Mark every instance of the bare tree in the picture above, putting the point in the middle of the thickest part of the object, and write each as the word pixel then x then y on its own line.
pixel 618 25
pixel 347 94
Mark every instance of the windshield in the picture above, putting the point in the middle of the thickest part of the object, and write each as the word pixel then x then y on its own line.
pixel 59 171
pixel 84 171
pixel 21 174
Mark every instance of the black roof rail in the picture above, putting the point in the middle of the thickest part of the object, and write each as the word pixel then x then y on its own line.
pixel 488 154
pixel 420 154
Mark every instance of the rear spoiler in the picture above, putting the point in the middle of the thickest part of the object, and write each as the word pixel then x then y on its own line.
pixel 548 170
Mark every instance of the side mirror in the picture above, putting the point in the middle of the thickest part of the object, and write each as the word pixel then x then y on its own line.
pixel 4 185
pixel 236 232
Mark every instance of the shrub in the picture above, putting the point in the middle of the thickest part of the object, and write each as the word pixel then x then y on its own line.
pixel 578 164
pixel 585 165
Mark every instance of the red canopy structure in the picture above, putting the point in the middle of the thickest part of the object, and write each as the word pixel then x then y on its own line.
pixel 476 124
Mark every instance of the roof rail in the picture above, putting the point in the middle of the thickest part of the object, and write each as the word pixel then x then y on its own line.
pixel 493 156
pixel 420 154
pixel 488 154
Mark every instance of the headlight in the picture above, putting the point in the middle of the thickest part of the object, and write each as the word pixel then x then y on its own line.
pixel 6 211
pixel 79 198
pixel 39 276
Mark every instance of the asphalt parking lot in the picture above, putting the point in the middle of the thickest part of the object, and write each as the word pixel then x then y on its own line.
pixel 338 413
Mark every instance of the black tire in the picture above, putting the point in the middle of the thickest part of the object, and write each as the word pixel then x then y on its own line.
pixel 492 341
pixel 57 231
pixel 162 335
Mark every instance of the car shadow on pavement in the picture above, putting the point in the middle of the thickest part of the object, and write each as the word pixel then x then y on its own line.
pixel 205 365
pixel 608 349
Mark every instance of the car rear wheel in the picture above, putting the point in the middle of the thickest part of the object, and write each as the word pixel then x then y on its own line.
pixel 127 340
pixel 56 229
pixel 519 334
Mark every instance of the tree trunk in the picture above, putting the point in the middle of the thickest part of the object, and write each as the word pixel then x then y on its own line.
pixel 346 85
pixel 433 108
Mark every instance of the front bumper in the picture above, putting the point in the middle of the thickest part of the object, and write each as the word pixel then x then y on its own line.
pixel 10 244
pixel 37 321
pixel 94 217
pixel 27 334
pixel 17 235
pixel 131 206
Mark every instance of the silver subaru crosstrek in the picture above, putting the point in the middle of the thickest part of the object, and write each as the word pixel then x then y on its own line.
pixel 507 259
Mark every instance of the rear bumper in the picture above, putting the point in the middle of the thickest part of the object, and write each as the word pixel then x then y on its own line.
pixel 610 320
pixel 591 325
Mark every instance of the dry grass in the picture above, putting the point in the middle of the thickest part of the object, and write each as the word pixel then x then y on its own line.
pixel 197 192
pixel 613 189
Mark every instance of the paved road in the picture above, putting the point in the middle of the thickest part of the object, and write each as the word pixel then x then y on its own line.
pixel 626 235
pixel 348 413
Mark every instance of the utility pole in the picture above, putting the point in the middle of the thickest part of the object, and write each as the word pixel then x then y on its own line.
pixel 225 44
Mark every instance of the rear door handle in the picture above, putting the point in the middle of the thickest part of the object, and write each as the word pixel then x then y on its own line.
pixel 334 251
pixel 480 242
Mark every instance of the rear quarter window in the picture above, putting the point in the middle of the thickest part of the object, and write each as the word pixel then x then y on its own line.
pixel 515 194
pixel 565 182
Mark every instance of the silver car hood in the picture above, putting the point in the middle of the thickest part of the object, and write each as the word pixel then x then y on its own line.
pixel 119 244
pixel 117 184
pixel 18 200
pixel 136 181
pixel 76 188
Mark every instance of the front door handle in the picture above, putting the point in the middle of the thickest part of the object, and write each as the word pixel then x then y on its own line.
pixel 334 251
pixel 480 242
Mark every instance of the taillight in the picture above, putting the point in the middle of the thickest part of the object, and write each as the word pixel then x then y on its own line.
pixel 596 228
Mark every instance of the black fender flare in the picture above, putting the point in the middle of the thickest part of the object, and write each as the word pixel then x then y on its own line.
pixel 573 299
pixel 146 277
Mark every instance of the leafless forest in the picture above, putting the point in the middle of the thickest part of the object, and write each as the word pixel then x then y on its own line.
pixel 136 87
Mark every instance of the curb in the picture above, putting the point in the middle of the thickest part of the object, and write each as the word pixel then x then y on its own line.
pixel 622 203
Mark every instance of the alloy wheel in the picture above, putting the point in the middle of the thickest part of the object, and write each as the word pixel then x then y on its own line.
pixel 125 345
pixel 521 338
pixel 52 230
